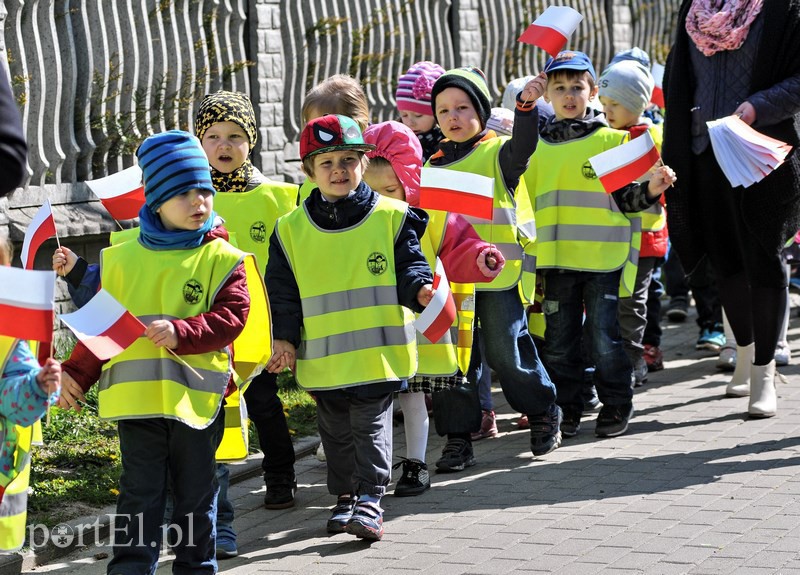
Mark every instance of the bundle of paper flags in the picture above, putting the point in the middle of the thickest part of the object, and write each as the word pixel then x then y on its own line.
pixel 745 155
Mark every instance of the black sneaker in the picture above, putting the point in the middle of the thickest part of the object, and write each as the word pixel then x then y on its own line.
pixel 415 479
pixel 589 396
pixel 546 430
pixel 280 491
pixel 341 514
pixel 678 309
pixel 613 420
pixel 571 422
pixel 456 455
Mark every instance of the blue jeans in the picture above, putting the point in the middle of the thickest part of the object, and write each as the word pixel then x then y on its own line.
pixel 224 505
pixel 511 353
pixel 566 295
pixel 482 368
pixel 155 452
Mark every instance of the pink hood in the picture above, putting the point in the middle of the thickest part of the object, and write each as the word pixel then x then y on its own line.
pixel 398 144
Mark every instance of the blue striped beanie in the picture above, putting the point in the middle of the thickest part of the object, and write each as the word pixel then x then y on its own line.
pixel 172 163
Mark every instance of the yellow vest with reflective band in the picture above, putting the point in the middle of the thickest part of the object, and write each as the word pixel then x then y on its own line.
pixel 252 215
pixel 654 218
pixel 354 330
pixel 14 481
pixel 146 381
pixel 579 226
pixel 484 160
pixel 454 350
pixel 526 235
pixel 122 236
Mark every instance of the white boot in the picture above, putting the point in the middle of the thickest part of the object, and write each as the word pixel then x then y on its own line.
pixel 763 396
pixel 739 385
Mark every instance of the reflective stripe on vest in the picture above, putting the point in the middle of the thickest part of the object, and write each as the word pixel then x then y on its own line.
pixel 252 215
pixel 146 381
pixel 373 338
pixel 502 230
pixel 579 225
pixel 452 352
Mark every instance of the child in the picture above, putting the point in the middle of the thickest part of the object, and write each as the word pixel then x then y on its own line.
pixel 394 171
pixel 342 270
pixel 583 244
pixel 197 295
pixel 26 391
pixel 625 88
pixel 462 105
pixel 413 97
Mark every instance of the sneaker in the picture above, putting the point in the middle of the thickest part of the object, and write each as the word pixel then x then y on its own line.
pixel 341 514
pixel 639 372
pixel 456 455
pixel 488 426
pixel 653 357
pixel 711 338
pixel 226 546
pixel 280 491
pixel 546 431
pixel 415 479
pixel 591 401
pixel 523 423
pixel 794 283
pixel 571 422
pixel 678 309
pixel 727 358
pixel 320 454
pixel 613 420
pixel 782 354
pixel 366 522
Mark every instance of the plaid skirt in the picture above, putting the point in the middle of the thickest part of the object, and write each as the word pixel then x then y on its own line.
pixel 428 384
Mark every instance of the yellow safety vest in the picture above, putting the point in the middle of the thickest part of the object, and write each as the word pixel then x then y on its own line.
pixel 579 226
pixel 654 218
pixel 454 350
pixel 146 381
pixel 502 229
pixel 252 215
pixel 354 330
pixel 305 190
pixel 14 481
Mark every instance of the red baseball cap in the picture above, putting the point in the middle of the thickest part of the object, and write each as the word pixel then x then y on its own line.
pixel 332 133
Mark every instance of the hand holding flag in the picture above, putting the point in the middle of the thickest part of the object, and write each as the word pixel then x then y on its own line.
pixel 552 29
pixel 41 228
pixel 122 194
pixel 436 319
pixel 624 164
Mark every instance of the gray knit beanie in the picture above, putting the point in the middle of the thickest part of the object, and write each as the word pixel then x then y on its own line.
pixel 629 83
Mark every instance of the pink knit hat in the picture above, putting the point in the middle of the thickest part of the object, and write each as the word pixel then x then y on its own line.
pixel 414 88
pixel 398 144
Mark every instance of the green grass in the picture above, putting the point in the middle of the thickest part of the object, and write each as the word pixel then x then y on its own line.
pixel 78 467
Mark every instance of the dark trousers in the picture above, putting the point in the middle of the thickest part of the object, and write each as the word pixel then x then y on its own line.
pixel 265 410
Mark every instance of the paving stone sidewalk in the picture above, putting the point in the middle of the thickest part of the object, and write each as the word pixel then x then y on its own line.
pixel 693 487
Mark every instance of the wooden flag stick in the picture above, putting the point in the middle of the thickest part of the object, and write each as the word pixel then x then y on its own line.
pixel 183 361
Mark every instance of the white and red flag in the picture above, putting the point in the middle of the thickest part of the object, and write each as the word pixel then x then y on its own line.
pixel 436 319
pixel 122 194
pixel 552 29
pixel 104 325
pixel 624 164
pixel 41 228
pixel 27 300
pixel 658 91
pixel 455 191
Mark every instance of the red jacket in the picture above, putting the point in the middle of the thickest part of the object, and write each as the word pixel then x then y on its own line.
pixel 654 244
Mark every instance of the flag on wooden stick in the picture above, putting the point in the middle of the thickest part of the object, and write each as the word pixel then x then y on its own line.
pixel 552 29
pixel 624 164
pixel 455 191
pixel 41 228
pixel 122 194
pixel 27 301
pixel 435 320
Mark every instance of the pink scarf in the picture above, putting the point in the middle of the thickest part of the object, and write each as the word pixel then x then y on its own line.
pixel 717 25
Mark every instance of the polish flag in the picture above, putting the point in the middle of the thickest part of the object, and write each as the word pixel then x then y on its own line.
pixel 552 29
pixel 436 319
pixel 624 164
pixel 658 92
pixel 122 193
pixel 104 325
pixel 454 191
pixel 27 300
pixel 41 228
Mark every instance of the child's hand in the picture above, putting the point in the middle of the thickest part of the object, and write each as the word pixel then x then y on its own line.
pixel 162 333
pixel 534 88
pixel 746 112
pixel 425 295
pixel 64 259
pixel 49 377
pixel 71 393
pixel 491 261
pixel 283 356
pixel 662 178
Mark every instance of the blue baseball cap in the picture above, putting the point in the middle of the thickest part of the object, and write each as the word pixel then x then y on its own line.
pixel 570 60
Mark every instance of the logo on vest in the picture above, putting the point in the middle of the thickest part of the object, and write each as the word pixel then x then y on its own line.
pixel 376 263
pixel 192 291
pixel 588 171
pixel 258 232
